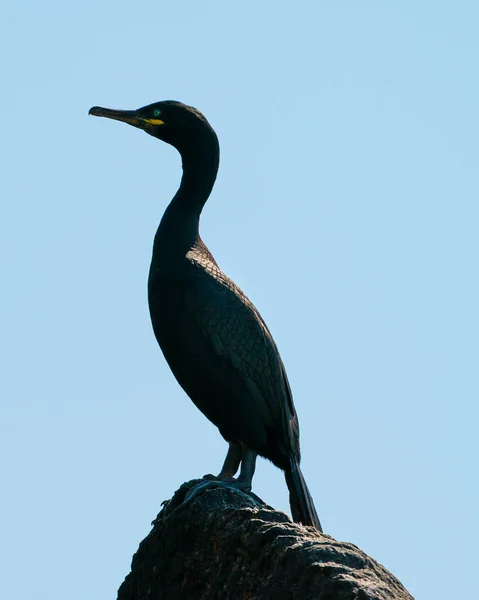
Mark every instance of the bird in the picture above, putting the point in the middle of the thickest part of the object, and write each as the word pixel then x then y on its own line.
pixel 212 336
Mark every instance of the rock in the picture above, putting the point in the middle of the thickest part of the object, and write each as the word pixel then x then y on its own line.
pixel 225 544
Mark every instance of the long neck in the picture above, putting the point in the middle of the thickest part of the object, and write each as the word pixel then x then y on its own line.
pixel 199 176
pixel 179 228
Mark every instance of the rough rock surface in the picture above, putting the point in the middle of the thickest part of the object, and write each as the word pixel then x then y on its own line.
pixel 225 544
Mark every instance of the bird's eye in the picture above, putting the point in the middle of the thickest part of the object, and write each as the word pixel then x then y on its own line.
pixel 156 112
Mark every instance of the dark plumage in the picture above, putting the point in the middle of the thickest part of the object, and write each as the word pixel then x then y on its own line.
pixel 214 339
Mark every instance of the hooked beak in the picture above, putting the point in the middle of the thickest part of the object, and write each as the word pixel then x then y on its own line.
pixel 127 116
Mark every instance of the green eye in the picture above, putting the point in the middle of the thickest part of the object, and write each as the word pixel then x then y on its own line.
pixel 156 112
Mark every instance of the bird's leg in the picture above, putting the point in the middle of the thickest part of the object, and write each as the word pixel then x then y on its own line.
pixel 248 465
pixel 232 462
pixel 236 453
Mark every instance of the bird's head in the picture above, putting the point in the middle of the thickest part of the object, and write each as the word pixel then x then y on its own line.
pixel 182 126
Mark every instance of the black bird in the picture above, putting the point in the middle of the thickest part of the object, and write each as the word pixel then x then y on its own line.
pixel 212 336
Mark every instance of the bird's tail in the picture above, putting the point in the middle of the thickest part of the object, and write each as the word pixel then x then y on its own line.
pixel 302 505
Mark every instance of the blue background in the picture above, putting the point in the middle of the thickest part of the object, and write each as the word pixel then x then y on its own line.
pixel 347 209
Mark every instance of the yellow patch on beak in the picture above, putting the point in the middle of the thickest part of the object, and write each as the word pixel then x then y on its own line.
pixel 154 121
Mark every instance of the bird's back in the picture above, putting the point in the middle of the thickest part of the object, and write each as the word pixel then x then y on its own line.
pixel 223 355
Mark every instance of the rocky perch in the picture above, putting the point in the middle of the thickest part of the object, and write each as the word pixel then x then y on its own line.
pixel 225 544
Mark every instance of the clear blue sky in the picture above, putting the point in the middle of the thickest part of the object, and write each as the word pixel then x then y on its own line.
pixel 347 209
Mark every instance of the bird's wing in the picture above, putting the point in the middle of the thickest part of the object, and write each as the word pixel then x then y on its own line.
pixel 236 331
